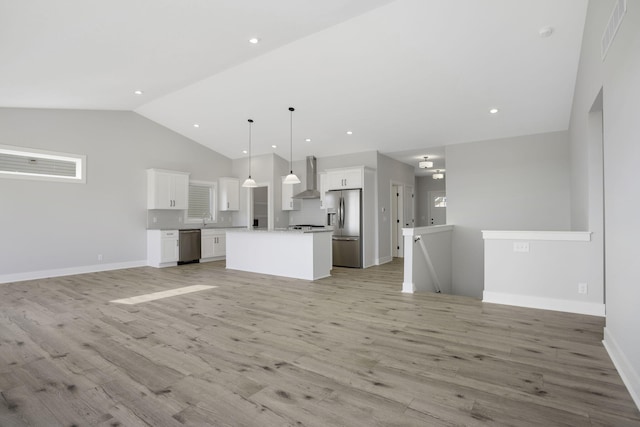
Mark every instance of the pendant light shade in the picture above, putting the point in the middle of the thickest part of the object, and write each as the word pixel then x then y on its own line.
pixel 438 174
pixel 249 182
pixel 425 163
pixel 291 178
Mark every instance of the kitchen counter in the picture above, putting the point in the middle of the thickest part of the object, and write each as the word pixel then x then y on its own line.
pixel 185 227
pixel 301 254
pixel 286 230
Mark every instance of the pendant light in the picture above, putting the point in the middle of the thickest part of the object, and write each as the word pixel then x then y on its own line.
pixel 249 182
pixel 291 178
pixel 425 163
pixel 438 174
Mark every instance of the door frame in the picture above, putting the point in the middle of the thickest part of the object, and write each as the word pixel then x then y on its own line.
pixel 396 224
pixel 270 212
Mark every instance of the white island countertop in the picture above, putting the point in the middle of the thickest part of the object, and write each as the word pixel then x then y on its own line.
pixel 282 230
pixel 301 254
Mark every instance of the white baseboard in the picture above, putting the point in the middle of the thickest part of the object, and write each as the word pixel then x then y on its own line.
pixel 384 260
pixel 630 377
pixel 43 274
pixel 579 307
pixel 407 287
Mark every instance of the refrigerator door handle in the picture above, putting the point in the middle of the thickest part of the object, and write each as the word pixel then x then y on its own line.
pixel 346 239
pixel 341 212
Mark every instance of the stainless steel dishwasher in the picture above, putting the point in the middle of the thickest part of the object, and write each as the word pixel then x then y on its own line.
pixel 189 246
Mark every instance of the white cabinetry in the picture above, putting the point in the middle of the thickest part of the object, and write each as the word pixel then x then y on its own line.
pixel 214 244
pixel 339 179
pixel 229 194
pixel 323 189
pixel 162 248
pixel 167 189
pixel 288 202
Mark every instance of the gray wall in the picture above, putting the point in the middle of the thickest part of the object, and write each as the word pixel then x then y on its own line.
pixel 619 76
pixel 52 225
pixel 265 170
pixel 389 171
pixel 424 184
pixel 517 183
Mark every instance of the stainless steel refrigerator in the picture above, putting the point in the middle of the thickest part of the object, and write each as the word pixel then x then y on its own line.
pixel 344 208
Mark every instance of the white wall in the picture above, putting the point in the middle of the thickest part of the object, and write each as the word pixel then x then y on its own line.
pixel 619 77
pixel 417 275
pixel 50 225
pixel 519 183
pixel 546 275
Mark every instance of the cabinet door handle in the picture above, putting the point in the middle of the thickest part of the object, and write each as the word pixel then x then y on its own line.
pixel 227 205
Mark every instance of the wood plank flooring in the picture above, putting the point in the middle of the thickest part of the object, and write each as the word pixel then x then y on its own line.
pixel 349 350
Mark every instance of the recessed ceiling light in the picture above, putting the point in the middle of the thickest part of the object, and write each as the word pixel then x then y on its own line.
pixel 349 132
pixel 244 151
pixel 195 125
pixel 254 40
pixel 138 92
pixel 494 111
pixel 274 146
pixel 308 140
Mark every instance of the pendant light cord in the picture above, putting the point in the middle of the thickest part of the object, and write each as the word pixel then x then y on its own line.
pixel 291 109
pixel 250 123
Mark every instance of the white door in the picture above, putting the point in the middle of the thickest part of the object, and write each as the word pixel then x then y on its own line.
pixel 437 208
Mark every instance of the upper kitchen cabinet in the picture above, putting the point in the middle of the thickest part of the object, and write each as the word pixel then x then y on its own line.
pixel 323 189
pixel 229 194
pixel 340 179
pixel 167 189
pixel 288 202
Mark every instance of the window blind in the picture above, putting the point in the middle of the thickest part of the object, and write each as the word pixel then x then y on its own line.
pixel 199 201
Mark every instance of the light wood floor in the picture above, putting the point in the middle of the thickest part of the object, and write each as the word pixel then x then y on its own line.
pixel 350 350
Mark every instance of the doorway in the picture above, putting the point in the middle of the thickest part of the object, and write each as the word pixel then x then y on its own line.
pixel 437 208
pixel 260 207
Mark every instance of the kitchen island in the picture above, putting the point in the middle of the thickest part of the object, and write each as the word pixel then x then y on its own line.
pixel 300 254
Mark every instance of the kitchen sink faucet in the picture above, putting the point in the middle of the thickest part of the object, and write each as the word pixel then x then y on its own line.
pixel 204 218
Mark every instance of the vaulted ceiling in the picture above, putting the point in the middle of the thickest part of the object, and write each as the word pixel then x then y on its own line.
pixel 403 76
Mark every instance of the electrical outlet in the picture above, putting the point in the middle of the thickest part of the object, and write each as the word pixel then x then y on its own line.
pixel 99 257
pixel 583 288
pixel 520 246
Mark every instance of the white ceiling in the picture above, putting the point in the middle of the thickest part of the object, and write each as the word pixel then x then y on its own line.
pixel 405 76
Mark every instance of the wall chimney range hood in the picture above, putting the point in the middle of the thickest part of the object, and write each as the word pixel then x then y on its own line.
pixel 312 181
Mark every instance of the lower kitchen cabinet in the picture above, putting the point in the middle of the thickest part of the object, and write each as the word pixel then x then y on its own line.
pixel 163 248
pixel 214 244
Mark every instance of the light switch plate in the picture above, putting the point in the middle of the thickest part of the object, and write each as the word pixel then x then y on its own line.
pixel 520 246
pixel 583 288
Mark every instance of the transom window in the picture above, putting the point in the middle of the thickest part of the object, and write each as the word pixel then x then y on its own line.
pixel 30 163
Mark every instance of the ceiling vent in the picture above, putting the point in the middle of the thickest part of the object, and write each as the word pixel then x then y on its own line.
pixel 615 20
